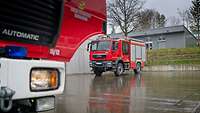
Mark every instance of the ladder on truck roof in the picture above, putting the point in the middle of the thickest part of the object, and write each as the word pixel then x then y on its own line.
pixel 101 37
pixel 130 39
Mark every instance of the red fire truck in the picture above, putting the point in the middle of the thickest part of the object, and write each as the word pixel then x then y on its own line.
pixel 37 39
pixel 116 54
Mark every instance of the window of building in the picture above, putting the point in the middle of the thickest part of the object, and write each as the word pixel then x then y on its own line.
pixel 149 45
pixel 161 38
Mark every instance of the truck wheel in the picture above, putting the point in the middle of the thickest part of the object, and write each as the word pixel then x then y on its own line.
pixel 119 69
pixel 138 68
pixel 98 73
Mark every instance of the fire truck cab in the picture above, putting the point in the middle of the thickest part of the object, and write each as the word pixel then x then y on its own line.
pixel 117 55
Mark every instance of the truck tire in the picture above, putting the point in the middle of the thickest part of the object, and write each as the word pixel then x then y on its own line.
pixel 98 73
pixel 119 69
pixel 138 68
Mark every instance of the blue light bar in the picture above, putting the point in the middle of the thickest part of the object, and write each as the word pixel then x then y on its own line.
pixel 15 52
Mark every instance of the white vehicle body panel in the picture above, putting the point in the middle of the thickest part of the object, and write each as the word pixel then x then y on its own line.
pixel 3 73
pixel 15 74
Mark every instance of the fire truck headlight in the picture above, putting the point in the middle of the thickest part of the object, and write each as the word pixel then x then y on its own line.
pixel 44 79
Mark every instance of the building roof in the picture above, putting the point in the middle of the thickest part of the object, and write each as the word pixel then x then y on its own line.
pixel 157 31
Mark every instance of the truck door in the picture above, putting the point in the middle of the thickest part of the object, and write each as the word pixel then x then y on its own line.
pixel 115 51
pixel 125 51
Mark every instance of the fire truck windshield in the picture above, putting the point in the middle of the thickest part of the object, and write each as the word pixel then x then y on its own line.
pixel 100 45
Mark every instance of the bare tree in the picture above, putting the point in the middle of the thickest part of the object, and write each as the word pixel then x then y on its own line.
pixel 174 21
pixel 185 16
pixel 146 18
pixel 161 20
pixel 125 14
pixel 158 20
pixel 150 18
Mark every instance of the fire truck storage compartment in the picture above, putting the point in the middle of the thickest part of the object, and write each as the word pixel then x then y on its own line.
pixel 138 52
pixel 133 55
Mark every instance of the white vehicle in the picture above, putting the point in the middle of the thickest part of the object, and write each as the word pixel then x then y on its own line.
pixel 29 81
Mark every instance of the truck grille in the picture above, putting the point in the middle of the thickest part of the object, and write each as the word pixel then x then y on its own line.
pixel 99 56
pixel 30 21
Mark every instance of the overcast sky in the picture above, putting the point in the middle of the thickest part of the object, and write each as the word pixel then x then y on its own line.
pixel 168 7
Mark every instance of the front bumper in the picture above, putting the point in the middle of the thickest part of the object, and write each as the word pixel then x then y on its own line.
pixel 104 65
pixel 15 74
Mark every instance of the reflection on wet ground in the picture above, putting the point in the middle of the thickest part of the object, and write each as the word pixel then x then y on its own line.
pixel 171 92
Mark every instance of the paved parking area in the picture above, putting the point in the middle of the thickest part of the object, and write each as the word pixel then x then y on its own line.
pixel 166 92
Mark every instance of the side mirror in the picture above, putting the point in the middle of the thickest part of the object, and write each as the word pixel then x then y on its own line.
pixel 88 46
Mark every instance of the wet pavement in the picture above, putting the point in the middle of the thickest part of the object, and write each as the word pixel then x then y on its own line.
pixel 166 92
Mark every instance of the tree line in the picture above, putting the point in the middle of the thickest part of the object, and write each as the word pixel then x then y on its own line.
pixel 129 16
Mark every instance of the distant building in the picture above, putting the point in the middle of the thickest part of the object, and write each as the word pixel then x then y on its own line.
pixel 167 37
